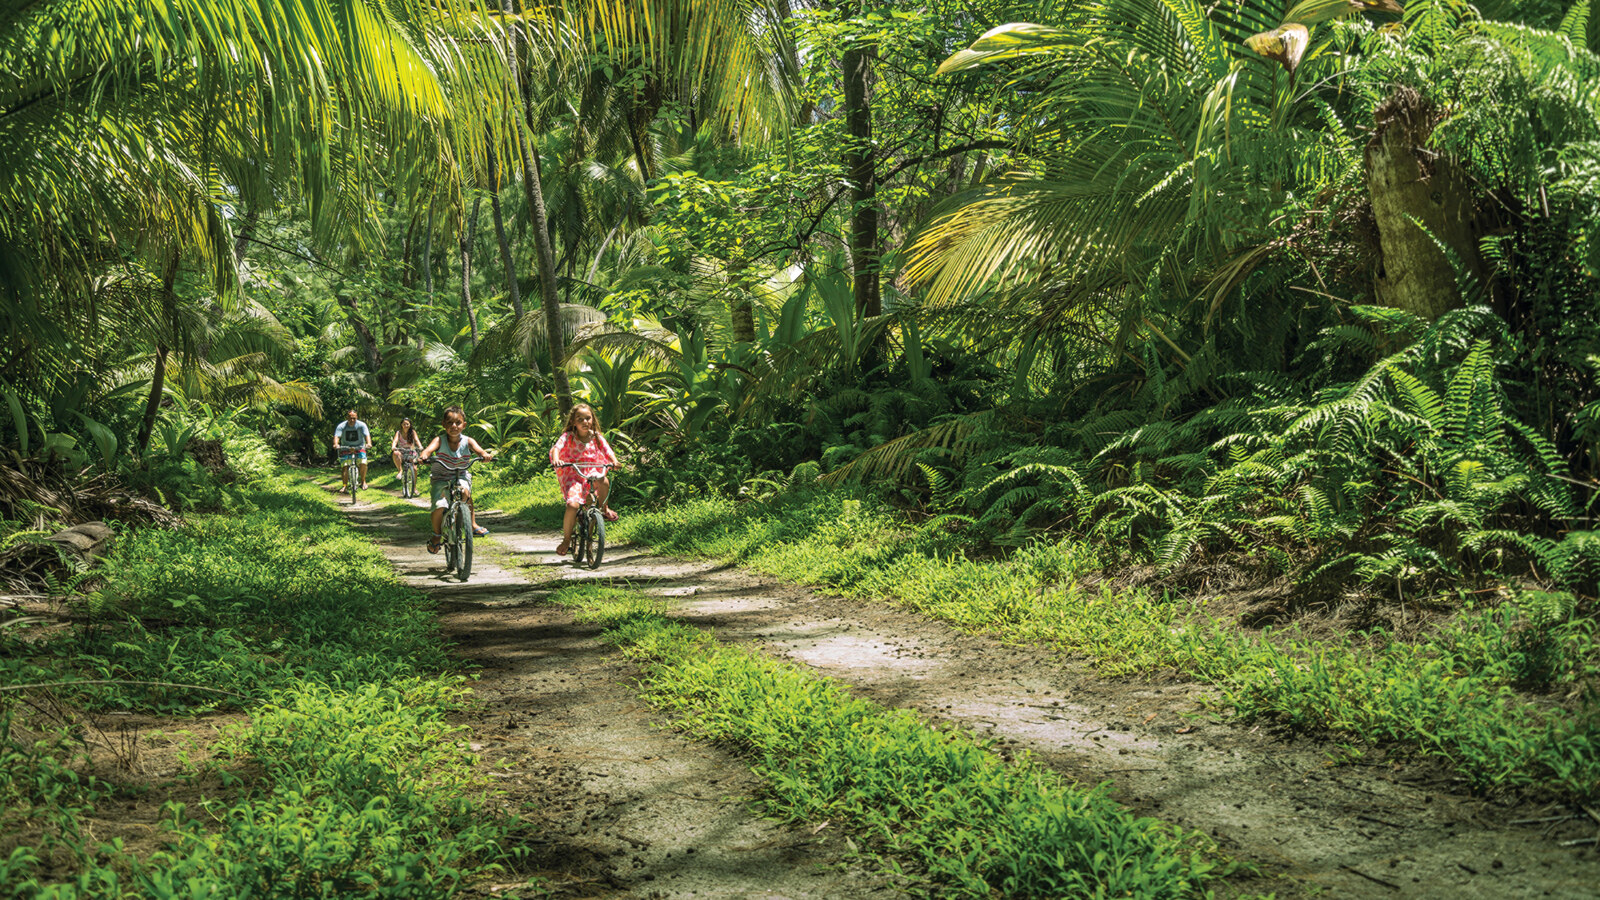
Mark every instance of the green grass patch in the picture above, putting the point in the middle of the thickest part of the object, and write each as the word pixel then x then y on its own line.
pixel 364 792
pixel 347 780
pixel 979 826
pixel 1505 697
pixel 248 603
pixel 536 501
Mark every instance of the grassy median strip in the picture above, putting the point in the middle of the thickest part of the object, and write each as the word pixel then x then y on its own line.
pixel 979 826
pixel 1502 696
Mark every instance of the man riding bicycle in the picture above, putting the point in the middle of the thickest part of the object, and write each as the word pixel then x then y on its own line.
pixel 352 438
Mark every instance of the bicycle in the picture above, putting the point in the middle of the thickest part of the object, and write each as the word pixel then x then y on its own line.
pixel 352 471
pixel 589 532
pixel 408 473
pixel 456 527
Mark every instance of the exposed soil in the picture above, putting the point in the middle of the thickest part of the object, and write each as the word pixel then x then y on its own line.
pixel 621 806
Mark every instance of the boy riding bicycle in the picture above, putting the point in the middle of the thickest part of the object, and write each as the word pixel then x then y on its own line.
pixel 451 452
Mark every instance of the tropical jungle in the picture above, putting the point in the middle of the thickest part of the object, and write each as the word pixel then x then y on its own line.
pixel 1032 417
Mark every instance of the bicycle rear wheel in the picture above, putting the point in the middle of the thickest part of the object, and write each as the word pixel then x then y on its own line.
pixel 597 536
pixel 463 539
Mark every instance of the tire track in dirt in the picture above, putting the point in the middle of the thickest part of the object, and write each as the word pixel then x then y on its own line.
pixel 1264 796
pixel 617 804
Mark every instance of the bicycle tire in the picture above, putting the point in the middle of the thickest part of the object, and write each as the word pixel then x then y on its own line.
pixel 352 479
pixel 584 537
pixel 586 522
pixel 408 480
pixel 597 537
pixel 463 537
pixel 447 527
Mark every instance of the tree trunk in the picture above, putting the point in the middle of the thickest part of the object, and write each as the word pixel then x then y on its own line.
pixel 158 373
pixel 540 221
pixel 1410 184
pixel 469 226
pixel 427 264
pixel 369 344
pixel 742 308
pixel 860 165
pixel 500 235
pixel 152 404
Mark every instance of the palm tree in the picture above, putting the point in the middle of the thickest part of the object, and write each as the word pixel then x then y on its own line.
pixel 130 121
pixel 1179 148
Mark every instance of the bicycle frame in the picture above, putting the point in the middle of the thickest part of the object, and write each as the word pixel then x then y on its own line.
pixel 456 532
pixel 352 469
pixel 408 465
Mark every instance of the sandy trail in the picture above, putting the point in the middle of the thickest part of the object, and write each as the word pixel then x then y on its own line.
pixel 625 806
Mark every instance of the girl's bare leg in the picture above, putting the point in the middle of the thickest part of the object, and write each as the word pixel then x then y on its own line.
pixel 602 491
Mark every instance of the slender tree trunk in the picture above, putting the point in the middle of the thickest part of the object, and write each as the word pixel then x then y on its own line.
pixel 860 164
pixel 158 374
pixel 404 316
pixel 427 264
pixel 1420 200
pixel 540 219
pixel 742 309
pixel 469 227
pixel 500 235
pixel 152 404
pixel 364 337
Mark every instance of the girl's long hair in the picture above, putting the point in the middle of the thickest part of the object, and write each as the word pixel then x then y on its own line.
pixel 405 426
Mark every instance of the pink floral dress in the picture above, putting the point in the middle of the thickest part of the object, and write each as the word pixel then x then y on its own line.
pixel 569 449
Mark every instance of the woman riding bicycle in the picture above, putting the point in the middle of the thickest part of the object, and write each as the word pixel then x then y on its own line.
pixel 405 440
pixel 452 454
pixel 580 443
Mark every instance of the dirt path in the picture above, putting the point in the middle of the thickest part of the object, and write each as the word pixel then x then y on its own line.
pixel 628 807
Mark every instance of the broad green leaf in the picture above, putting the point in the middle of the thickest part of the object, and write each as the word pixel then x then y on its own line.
pixel 1007 42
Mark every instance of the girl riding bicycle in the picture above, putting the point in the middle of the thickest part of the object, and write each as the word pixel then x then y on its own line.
pixel 580 443
pixel 452 449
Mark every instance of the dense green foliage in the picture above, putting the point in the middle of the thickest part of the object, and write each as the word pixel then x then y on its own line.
pixel 1143 303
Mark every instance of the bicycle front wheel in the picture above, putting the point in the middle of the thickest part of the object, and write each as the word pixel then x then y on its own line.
pixel 597 536
pixel 580 539
pixel 463 539
pixel 352 480
pixel 408 481
pixel 447 527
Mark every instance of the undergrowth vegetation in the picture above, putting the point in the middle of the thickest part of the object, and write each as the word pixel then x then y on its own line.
pixel 973 824
pixel 1505 694
pixel 344 776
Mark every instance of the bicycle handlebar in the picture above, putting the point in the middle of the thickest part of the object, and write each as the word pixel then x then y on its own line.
pixel 582 466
